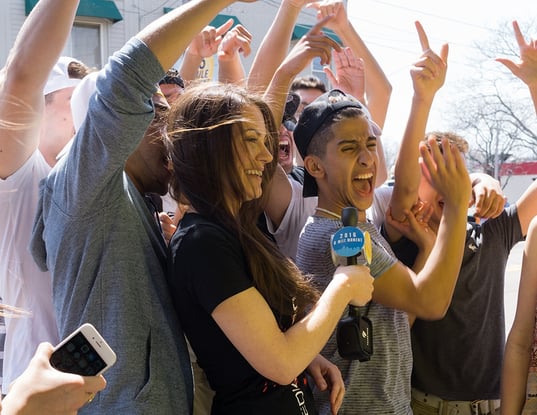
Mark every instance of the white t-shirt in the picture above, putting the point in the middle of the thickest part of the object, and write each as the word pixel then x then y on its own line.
pixel 293 221
pixel 22 284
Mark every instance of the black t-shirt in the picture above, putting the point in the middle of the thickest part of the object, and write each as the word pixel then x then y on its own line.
pixel 207 267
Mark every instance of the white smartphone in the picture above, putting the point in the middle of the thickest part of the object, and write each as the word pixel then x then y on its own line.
pixel 84 352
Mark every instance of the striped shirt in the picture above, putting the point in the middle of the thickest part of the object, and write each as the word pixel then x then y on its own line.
pixel 381 385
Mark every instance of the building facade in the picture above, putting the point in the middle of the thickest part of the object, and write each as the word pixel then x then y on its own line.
pixel 103 26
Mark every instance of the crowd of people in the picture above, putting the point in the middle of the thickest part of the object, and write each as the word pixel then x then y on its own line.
pixel 191 223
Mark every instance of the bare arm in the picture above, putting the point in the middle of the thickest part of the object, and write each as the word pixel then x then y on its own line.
pixel 527 207
pixel 249 323
pixel 34 54
pixel 377 89
pixel 428 293
pixel 377 86
pixel 313 44
pixel 235 42
pixel 428 76
pixel 518 348
pixel 203 45
pixel 169 35
pixel 274 46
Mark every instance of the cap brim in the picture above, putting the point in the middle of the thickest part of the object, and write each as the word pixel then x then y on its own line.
pixel 58 83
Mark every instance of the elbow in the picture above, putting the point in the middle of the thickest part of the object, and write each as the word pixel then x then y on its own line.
pixel 283 379
pixel 279 373
pixel 436 311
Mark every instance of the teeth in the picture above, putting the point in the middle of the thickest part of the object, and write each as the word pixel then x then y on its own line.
pixel 255 172
pixel 364 176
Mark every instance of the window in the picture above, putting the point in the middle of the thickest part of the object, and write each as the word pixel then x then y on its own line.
pixel 86 43
pixel 317 70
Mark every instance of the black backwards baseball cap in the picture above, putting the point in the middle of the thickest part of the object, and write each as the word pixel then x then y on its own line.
pixel 312 118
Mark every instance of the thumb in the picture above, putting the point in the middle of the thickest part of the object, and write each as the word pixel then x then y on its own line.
pixel 508 63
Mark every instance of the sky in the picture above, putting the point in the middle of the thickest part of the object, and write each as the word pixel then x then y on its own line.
pixel 387 27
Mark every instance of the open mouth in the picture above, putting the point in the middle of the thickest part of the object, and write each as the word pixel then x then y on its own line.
pixel 284 149
pixel 364 182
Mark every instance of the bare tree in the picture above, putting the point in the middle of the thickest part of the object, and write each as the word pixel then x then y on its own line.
pixel 493 110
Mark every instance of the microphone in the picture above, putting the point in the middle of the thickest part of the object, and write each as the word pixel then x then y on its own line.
pixel 349 217
pixel 354 333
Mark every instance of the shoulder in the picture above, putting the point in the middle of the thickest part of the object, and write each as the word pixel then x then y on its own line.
pixel 196 234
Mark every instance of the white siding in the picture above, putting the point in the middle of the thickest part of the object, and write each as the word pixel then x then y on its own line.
pixel 256 17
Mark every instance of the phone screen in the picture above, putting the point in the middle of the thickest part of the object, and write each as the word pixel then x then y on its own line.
pixel 77 356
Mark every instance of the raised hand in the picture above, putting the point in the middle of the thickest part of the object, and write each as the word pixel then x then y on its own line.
pixel 526 67
pixel 206 43
pixel 312 45
pixel 349 75
pixel 334 8
pixel 237 40
pixel 446 171
pixel 429 72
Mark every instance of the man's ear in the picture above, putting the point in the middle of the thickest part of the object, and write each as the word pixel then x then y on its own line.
pixel 314 166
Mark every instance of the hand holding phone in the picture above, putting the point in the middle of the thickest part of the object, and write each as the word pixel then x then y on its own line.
pixel 84 352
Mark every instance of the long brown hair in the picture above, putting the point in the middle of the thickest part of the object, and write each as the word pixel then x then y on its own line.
pixel 202 125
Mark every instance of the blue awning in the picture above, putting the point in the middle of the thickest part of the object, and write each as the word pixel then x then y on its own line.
pixel 104 9
pixel 301 29
pixel 219 20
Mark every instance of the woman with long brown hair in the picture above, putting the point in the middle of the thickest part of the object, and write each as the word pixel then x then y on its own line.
pixel 251 317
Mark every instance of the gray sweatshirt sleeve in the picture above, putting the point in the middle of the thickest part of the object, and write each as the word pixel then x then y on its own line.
pixel 118 115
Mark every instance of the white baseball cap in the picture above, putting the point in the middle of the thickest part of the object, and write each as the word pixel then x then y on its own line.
pixel 59 76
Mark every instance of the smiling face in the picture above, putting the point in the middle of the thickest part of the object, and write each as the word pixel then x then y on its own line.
pixel 346 173
pixel 250 139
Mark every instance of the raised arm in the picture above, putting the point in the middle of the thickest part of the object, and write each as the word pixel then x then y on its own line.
pixel 526 68
pixel 275 45
pixel 519 344
pixel 203 45
pixel 37 48
pixel 377 86
pixel 428 75
pixel 375 89
pixel 235 42
pixel 313 44
pixel 428 293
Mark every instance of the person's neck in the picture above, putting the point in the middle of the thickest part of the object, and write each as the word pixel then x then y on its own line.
pixel 333 211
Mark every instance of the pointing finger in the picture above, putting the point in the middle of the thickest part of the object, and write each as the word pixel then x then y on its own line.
pixel 424 41
pixel 224 28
